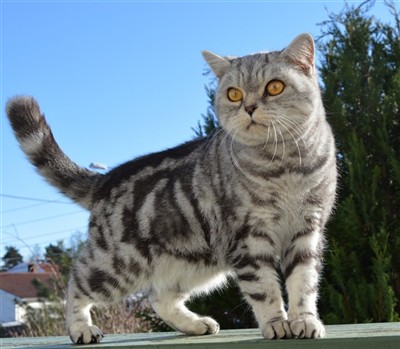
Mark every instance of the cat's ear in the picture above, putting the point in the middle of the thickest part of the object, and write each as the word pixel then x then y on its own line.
pixel 219 65
pixel 301 52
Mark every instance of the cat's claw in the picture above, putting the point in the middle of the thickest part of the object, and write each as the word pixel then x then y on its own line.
pixel 87 335
pixel 212 325
pixel 307 327
pixel 277 329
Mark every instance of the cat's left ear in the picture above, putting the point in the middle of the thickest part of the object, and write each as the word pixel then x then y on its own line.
pixel 219 65
pixel 301 52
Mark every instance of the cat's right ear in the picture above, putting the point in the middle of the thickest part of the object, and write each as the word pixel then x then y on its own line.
pixel 219 65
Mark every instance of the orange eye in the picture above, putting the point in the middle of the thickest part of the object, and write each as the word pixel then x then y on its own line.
pixel 235 95
pixel 275 87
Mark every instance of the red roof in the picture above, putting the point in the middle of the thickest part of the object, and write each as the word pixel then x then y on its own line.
pixel 20 284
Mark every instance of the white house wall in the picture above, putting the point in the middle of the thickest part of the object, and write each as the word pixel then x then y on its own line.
pixel 7 307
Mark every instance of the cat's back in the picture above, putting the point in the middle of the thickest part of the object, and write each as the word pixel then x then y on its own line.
pixel 143 171
pixel 150 201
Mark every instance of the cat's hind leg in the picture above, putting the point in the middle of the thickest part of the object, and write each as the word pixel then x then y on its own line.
pixel 79 322
pixel 170 306
pixel 91 282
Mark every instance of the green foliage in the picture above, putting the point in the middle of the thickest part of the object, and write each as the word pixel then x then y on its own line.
pixel 11 258
pixel 43 290
pixel 62 257
pixel 210 122
pixel 360 71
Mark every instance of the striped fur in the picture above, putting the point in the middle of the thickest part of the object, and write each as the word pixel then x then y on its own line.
pixel 251 200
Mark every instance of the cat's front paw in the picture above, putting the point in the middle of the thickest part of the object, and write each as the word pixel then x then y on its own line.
pixel 307 327
pixel 276 329
pixel 212 325
pixel 83 334
pixel 203 325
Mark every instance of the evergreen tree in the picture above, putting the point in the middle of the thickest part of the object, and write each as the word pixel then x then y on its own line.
pixel 210 121
pixel 11 258
pixel 63 257
pixel 360 71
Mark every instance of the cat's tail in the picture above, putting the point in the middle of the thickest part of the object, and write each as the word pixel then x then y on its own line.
pixel 36 140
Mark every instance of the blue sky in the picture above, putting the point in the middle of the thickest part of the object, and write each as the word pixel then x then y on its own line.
pixel 118 79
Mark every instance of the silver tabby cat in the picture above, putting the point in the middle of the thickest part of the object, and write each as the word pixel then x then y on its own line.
pixel 250 201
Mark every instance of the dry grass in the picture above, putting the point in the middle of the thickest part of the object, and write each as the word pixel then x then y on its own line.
pixel 134 314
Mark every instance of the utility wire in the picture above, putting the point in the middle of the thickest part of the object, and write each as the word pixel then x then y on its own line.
pixel 42 219
pixel 9 242
pixel 24 207
pixel 20 244
pixel 34 199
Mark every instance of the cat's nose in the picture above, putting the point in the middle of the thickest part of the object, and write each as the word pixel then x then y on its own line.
pixel 250 109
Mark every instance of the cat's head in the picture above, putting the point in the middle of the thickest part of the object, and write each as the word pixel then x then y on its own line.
pixel 263 93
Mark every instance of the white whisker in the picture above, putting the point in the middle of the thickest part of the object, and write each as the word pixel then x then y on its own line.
pixel 283 145
pixel 296 128
pixel 211 140
pixel 227 134
pixel 266 142
pixel 275 144
pixel 294 139
pixel 234 159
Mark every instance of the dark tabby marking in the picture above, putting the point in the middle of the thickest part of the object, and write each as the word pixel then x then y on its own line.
pixel 251 200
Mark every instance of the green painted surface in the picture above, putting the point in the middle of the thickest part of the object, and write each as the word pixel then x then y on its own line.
pixel 365 336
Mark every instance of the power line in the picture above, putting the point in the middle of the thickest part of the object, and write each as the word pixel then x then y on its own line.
pixel 24 207
pixel 42 219
pixel 34 199
pixel 9 242
pixel 21 245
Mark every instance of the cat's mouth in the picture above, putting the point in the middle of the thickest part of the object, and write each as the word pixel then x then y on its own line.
pixel 255 124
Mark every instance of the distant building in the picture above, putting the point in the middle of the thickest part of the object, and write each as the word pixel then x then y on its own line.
pixel 39 267
pixel 16 287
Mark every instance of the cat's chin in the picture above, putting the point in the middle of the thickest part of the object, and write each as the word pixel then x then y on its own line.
pixel 253 135
pixel 250 139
